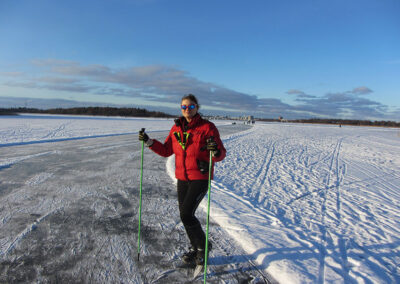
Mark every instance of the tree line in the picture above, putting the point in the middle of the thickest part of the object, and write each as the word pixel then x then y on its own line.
pixel 338 122
pixel 103 111
pixel 141 112
pixel 348 122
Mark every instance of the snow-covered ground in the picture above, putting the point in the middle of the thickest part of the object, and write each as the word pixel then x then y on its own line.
pixel 29 128
pixel 298 203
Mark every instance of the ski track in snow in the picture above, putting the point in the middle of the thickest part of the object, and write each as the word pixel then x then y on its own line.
pixel 307 203
pixel 317 192
pixel 33 129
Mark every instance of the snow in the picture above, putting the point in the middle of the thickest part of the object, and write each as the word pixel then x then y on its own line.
pixel 302 203
pixel 30 128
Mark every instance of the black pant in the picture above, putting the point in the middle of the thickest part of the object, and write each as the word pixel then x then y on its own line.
pixel 190 193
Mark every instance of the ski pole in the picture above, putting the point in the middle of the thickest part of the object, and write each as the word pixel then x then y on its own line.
pixel 208 216
pixel 140 196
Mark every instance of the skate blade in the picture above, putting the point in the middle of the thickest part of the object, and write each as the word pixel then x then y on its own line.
pixel 197 271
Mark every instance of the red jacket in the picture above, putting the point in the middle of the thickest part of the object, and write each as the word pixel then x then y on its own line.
pixel 187 141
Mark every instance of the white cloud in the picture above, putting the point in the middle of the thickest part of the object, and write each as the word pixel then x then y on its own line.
pixel 361 91
pixel 11 74
pixel 299 94
pixel 166 84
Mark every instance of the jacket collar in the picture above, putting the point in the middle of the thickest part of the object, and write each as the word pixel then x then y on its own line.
pixel 182 122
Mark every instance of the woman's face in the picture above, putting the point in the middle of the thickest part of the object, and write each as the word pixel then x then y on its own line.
pixel 189 112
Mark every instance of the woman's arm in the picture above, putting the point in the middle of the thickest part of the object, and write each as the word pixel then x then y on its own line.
pixel 164 150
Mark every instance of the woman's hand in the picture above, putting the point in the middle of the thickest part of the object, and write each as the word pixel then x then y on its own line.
pixel 213 147
pixel 143 136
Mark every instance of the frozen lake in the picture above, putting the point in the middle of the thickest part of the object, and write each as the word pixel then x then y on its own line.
pixel 290 203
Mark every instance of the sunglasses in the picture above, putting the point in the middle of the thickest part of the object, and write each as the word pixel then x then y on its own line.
pixel 190 107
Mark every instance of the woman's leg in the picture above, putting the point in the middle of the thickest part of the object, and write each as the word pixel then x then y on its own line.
pixel 190 194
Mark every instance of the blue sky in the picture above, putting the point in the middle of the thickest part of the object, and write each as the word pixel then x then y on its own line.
pixel 294 59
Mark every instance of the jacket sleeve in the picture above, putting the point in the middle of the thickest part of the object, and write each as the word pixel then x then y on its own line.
pixel 215 133
pixel 164 150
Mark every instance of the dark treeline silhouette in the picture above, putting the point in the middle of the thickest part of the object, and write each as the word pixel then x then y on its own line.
pixel 338 122
pixel 139 112
pixel 348 122
pixel 104 111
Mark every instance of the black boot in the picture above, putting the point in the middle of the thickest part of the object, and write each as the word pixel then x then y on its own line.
pixel 201 254
pixel 190 256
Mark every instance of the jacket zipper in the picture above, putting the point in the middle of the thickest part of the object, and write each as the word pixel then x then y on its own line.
pixel 184 158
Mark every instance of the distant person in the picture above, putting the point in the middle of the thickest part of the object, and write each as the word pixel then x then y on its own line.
pixel 190 139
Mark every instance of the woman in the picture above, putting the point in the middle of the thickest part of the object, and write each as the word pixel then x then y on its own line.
pixel 190 139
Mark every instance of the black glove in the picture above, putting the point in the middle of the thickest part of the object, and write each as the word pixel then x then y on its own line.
pixel 212 146
pixel 143 136
pixel 203 166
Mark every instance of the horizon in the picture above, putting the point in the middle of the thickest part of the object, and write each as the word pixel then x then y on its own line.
pixel 208 116
pixel 266 59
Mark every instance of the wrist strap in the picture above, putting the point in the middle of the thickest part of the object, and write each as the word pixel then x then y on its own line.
pixel 149 142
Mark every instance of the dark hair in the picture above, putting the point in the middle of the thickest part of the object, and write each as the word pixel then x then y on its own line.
pixel 192 98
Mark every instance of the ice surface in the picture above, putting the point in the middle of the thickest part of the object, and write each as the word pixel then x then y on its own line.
pixel 300 203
